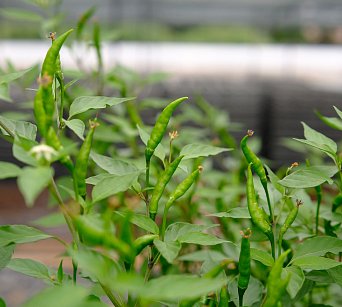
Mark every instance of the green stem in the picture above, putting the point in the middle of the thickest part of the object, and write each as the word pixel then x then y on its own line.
pixel 111 296
pixel 269 203
pixel 241 294
pixel 61 108
pixel 148 162
pixel 319 200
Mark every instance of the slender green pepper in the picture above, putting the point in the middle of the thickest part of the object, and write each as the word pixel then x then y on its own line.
pixel 92 234
pixel 39 112
pixel 257 166
pixel 160 126
pixel 140 243
pixel 290 218
pixel 160 186
pixel 244 264
pixel 179 192
pixel 257 213
pixel 49 64
pixel 276 286
pixel 224 297
pixel 81 165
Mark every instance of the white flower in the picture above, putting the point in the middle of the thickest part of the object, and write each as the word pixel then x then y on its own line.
pixel 43 151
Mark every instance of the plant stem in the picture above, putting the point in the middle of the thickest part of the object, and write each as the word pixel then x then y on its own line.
pixel 319 199
pixel 111 296
pixel 148 162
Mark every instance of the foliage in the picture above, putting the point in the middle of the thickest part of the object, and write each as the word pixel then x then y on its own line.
pixel 123 174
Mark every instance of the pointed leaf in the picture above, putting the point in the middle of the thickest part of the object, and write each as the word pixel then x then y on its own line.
pixel 84 103
pixel 8 170
pixel 24 129
pixel 77 126
pixel 169 250
pixel 338 111
pixel 142 221
pixel 112 185
pixel 332 122
pixel 175 230
pixel 113 166
pixel 318 246
pixel 6 253
pixel 308 177
pixel 30 268
pixel 315 263
pixel 191 151
pixel 7 78
pixel 262 256
pixel 296 281
pixel 32 181
pixel 203 255
pixel 200 238
pixel 20 234
pixel 5 93
pixel 237 213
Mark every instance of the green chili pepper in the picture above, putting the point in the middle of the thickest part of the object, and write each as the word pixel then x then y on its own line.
pixel 39 112
pixel 83 20
pixel 93 234
pixel 216 270
pixel 159 128
pixel 142 242
pixel 81 165
pixel 244 265
pixel 257 166
pixel 49 64
pixel 224 297
pixel 160 186
pixel 179 192
pixel 276 286
pixel 257 214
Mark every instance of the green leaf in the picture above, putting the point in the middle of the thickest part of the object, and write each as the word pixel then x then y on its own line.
pixel 20 128
pixel 319 141
pixel 236 213
pixel 20 234
pixel 20 14
pixel 67 295
pixel 30 268
pixel 96 265
pixel 55 219
pixel 175 230
pixel 191 151
pixel 6 253
pixel 336 274
pixel 169 250
pixel 77 126
pixel 296 281
pixel 180 287
pixel 310 176
pixel 8 170
pixel 338 111
pixel 5 92
pixel 262 256
pixel 315 263
pixel 160 151
pixel 113 166
pixel 84 103
pixel 2 302
pixel 21 150
pixel 142 221
pixel 200 238
pixel 204 255
pixel 112 185
pixel 7 78
pixel 332 122
pixel 318 246
pixel 32 181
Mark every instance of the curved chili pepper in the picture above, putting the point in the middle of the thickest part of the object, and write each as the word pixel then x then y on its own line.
pixel 160 186
pixel 257 166
pixel 244 264
pixel 81 165
pixel 140 243
pixel 93 234
pixel 224 297
pixel 276 286
pixel 160 126
pixel 179 192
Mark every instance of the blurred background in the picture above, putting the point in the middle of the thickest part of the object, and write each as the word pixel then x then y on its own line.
pixel 268 64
